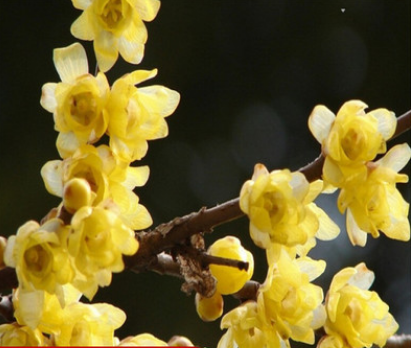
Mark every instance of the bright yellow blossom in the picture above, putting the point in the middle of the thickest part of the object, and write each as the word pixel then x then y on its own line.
pixel 350 138
pixel 140 340
pixel 39 309
pixel 39 257
pixel 89 325
pixel 108 177
pixel 15 335
pixel 289 299
pixel 230 279
pixel 78 102
pixel 356 317
pixel 374 204
pixel 247 329
pixel 116 26
pixel 137 114
pixel 279 206
pixel 97 242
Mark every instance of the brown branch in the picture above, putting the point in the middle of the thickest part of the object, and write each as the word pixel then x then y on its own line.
pixel 399 341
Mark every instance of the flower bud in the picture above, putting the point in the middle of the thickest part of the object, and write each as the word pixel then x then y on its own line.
pixel 180 341
pixel 209 308
pixel 77 194
pixel 230 279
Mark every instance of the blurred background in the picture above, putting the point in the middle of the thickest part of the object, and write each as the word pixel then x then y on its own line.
pixel 249 74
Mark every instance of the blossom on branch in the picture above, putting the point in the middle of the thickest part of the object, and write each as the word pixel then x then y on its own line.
pixel 15 335
pixel 116 26
pixel 137 114
pixel 356 317
pixel 281 209
pixel 78 102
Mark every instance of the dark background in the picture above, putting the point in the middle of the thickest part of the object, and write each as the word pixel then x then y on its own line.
pixel 249 73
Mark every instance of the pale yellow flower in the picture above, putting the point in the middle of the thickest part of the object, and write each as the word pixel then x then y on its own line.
pixel 20 336
pixel 374 203
pixel 288 299
pixel 144 339
pixel 137 114
pixel 247 329
pixel 350 138
pixel 230 279
pixel 89 325
pixel 281 209
pixel 39 257
pixel 356 317
pixel 97 242
pixel 78 102
pixel 39 309
pixel 116 26
pixel 108 177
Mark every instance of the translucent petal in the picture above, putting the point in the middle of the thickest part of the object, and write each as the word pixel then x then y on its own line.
pixel 313 268
pixel 139 76
pixel 132 52
pixel 355 107
pixel 396 158
pixel 159 99
pixel 363 278
pixel 328 229
pixel 320 122
pixel 48 99
pixel 356 235
pixel 52 174
pixel 71 62
pixel 386 122
pixel 147 9
pixel 299 185
pixel 105 46
pixel 82 28
pixel 81 4
pixel 136 176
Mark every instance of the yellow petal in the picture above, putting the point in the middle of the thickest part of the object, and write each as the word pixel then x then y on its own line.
pixel 356 235
pixel 132 52
pixel 147 9
pixel 159 99
pixel 396 158
pixel 82 28
pixel 52 174
pixel 71 62
pixel 320 122
pixel 386 122
pixel 105 46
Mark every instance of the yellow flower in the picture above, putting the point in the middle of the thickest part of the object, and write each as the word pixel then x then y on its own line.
pixel 89 325
pixel 350 138
pixel 209 308
pixel 15 335
pixel 97 242
pixel 116 26
pixel 289 299
pixel 39 309
pixel 279 206
pixel 78 102
pixel 355 316
pixel 374 203
pixel 230 279
pixel 137 114
pixel 108 177
pixel 140 340
pixel 246 329
pixel 38 256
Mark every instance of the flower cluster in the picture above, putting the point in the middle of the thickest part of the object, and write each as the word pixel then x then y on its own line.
pixel 79 244
pixel 350 141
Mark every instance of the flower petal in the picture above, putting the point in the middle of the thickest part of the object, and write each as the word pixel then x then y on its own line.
pixel 71 62
pixel 320 122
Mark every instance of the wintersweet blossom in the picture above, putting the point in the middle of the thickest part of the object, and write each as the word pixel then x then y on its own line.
pixel 89 325
pixel 230 279
pixel 356 317
pixel 374 204
pixel 78 102
pixel 116 26
pixel 15 335
pixel 281 209
pixel 246 328
pixel 137 114
pixel 38 255
pixel 108 177
pixel 350 138
pixel 97 241
pixel 288 299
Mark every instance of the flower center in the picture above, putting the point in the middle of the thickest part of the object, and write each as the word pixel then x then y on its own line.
pixel 36 259
pixel 112 13
pixel 83 108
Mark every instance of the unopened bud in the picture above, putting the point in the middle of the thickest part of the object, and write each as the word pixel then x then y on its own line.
pixel 77 194
pixel 209 308
pixel 180 341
